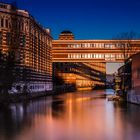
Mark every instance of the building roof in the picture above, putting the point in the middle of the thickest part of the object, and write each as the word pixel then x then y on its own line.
pixel 66 32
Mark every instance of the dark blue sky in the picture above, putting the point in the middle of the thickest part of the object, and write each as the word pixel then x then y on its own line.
pixel 87 19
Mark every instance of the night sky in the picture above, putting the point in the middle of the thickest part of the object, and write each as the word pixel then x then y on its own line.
pixel 87 19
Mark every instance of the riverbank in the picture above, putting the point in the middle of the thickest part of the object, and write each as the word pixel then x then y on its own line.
pixel 4 99
pixel 23 97
pixel 13 98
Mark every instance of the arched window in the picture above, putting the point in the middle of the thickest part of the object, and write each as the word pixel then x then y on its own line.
pixel 0 38
pixel 6 23
pixel 2 22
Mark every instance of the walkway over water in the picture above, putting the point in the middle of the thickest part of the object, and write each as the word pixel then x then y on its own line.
pixel 93 50
pixel 72 116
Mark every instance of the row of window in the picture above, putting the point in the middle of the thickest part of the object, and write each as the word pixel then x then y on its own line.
pixel 39 86
pixel 42 39
pixel 21 26
pixel 3 6
pixel 95 45
pixel 19 40
pixel 13 23
pixel 13 40
pixel 96 56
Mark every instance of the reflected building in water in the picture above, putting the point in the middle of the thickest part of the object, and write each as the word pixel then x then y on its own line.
pixel 63 117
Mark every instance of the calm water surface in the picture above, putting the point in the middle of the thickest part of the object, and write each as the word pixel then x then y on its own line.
pixel 72 116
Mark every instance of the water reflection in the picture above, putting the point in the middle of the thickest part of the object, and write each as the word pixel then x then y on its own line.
pixel 73 116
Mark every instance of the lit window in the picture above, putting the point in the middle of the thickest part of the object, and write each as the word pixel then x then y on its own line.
pixel 107 55
pixel 119 56
pixel 99 45
pixel 88 45
pixel 102 45
pixel 83 45
pixel 99 56
pixel 73 56
pixel 2 22
pixel 86 55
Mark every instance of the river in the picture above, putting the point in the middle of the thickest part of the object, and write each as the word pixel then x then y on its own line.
pixel 71 116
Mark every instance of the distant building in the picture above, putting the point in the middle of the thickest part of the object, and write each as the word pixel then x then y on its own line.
pixel 32 45
pixel 109 80
pixel 83 62
pixel 66 35
pixel 83 74
pixel 134 92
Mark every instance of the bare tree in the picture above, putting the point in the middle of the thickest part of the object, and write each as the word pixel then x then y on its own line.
pixel 128 43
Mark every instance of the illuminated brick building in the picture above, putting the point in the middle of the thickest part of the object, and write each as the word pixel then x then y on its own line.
pixel 83 62
pixel 32 45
